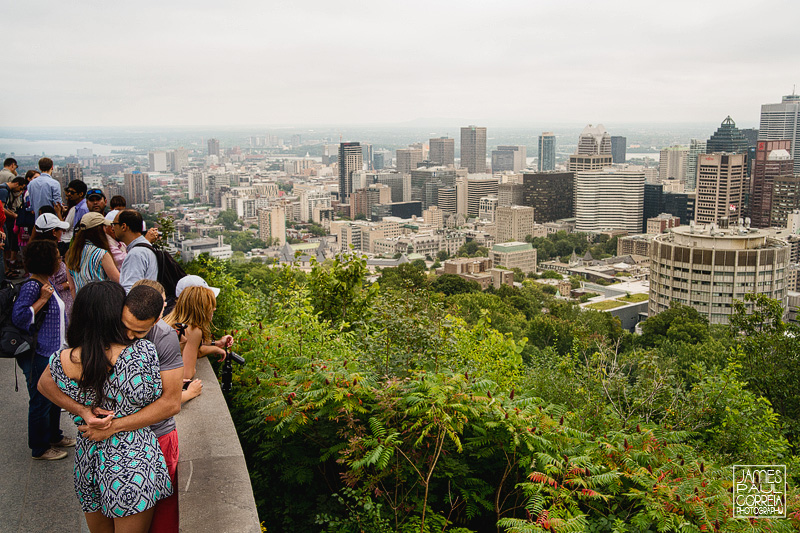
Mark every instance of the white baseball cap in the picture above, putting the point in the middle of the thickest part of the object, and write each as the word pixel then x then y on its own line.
pixel 193 281
pixel 48 221
pixel 112 215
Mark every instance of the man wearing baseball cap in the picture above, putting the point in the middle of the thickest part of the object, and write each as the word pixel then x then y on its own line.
pixel 96 201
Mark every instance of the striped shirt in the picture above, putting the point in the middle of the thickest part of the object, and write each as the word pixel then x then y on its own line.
pixel 91 267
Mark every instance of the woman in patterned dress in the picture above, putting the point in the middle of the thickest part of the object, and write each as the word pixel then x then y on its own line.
pixel 88 258
pixel 118 480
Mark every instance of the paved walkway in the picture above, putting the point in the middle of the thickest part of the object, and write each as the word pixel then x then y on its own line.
pixel 35 496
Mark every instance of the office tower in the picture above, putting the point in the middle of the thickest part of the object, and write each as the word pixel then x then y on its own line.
pixel 400 184
pixel 782 121
pixel 550 194
pixel 272 225
pixel 772 161
pixel 672 163
pixel 785 200
pixel 426 182
pixel 350 160
pixel 751 134
pixel 177 160
pixel 727 138
pixel 618 145
pixel 473 150
pixel 487 207
pixel 197 185
pixel 653 202
pixel 547 152
pixel 407 159
pixel 362 200
pixel 720 187
pixel 66 173
pixel 511 194
pixel 448 200
pixel 477 188
pixel 697 267
pixel 680 204
pixel 509 159
pixel 368 156
pixel 137 188
pixel 158 161
pixel 611 198
pixel 514 222
pixel 330 154
pixel 213 147
pixel 696 148
pixel 442 151
pixel 594 150
pixel 313 199
pixel 379 160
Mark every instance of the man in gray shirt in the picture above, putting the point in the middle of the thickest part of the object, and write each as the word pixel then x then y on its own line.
pixel 140 261
pixel 142 318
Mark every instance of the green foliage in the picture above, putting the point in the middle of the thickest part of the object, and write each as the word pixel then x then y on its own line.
pixel 450 284
pixel 339 291
pixel 472 249
pixel 229 219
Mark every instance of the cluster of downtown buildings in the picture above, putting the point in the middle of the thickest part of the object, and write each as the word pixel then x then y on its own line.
pixel 708 222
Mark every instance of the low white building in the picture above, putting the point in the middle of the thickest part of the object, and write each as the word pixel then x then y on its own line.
pixel 191 248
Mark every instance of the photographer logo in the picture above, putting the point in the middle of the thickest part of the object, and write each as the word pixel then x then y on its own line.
pixel 759 491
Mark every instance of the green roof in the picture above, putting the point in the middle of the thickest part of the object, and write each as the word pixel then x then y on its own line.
pixel 305 246
pixel 512 247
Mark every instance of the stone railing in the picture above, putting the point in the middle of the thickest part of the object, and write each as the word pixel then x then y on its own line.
pixel 215 494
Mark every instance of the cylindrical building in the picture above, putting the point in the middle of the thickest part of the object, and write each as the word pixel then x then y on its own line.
pixel 706 267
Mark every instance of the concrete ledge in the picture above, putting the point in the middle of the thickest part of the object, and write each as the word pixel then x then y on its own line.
pixel 214 490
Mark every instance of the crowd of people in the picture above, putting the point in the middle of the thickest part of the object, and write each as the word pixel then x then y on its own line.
pixel 103 351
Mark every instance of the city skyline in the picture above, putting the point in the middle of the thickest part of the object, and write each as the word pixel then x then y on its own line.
pixel 251 63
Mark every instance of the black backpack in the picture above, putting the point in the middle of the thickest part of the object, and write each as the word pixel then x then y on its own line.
pixel 15 342
pixel 169 272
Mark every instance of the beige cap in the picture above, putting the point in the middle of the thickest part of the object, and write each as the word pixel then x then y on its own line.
pixel 91 220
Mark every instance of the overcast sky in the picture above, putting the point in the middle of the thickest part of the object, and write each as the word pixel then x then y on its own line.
pixel 268 62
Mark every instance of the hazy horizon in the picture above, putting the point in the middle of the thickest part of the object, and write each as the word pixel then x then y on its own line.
pixel 320 64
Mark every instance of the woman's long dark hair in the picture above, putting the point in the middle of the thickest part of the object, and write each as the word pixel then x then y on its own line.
pixel 96 324
pixel 95 235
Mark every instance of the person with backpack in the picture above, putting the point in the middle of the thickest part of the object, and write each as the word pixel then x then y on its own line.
pixel 11 198
pixel 140 261
pixel 39 312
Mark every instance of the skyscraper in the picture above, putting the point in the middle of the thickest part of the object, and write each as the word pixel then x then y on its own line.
pixel 513 222
pixel 772 162
pixel 137 188
pixel 367 156
pixel 618 145
pixel 477 188
pixel 695 149
pixel 350 160
pixel 594 150
pixel 727 138
pixel 547 152
pixel 213 147
pixel 672 163
pixel 782 121
pixel 610 198
pixel 473 150
pixel 509 159
pixel 442 151
pixel 408 159
pixel 550 194
pixel 720 187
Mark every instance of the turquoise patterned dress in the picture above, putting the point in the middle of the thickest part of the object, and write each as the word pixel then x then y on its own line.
pixel 126 473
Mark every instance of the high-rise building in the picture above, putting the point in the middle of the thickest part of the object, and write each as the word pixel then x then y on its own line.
pixel 473 150
pixel 550 194
pixel 67 173
pixel 782 121
pixel 272 225
pixel 350 160
pixel 487 207
pixel 709 269
pixel 696 148
pixel 407 159
pixel 362 200
pixel 379 159
pixel 653 202
pixel 178 159
pixel 511 194
pixel 611 198
pixel 197 185
pixel 785 199
pixel 594 150
pixel 720 187
pixel 137 188
pixel 618 149
pixel 400 184
pixel 477 188
pixel 427 181
pixel 772 161
pixel 547 152
pixel 442 151
pixel 213 147
pixel 158 161
pixel 368 156
pixel 672 163
pixel 680 204
pixel 727 138
pixel 514 223
pixel 509 159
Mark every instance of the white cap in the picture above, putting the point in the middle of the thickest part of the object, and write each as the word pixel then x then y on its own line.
pixel 112 215
pixel 193 281
pixel 49 221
